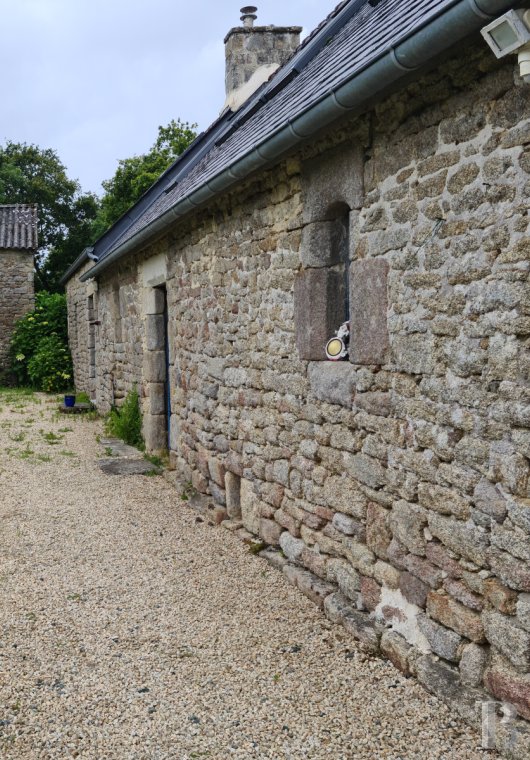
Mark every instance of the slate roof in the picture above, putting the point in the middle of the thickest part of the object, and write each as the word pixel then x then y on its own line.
pixel 370 32
pixel 18 227
pixel 356 34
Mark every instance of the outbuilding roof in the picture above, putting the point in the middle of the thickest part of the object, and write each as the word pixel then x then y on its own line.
pixel 359 52
pixel 18 227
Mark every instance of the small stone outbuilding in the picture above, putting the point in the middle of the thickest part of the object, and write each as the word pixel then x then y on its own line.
pixel 18 245
pixel 379 178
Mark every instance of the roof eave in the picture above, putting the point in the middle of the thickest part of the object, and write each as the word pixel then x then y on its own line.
pixel 77 264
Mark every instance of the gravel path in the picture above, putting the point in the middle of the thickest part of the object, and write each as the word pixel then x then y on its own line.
pixel 130 630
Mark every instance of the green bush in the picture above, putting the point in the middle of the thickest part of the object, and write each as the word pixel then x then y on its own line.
pixel 125 422
pixel 39 347
pixel 50 367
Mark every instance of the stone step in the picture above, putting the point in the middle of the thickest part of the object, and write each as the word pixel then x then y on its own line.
pixel 123 466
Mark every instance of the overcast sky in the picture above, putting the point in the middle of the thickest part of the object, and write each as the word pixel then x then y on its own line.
pixel 93 79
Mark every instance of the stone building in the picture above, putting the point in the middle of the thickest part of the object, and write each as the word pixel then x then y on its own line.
pixel 18 244
pixel 380 177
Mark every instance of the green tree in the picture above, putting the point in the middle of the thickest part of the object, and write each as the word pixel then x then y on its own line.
pixel 135 175
pixel 29 174
pixel 84 212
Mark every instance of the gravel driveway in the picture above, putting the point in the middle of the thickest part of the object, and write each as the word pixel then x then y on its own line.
pixel 130 629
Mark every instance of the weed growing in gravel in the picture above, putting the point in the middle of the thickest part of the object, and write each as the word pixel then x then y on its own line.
pixel 154 459
pixel 66 430
pixel 256 547
pixel 11 395
pixel 17 437
pixel 126 422
pixel 65 453
pixel 25 453
pixel 189 491
pixel 51 437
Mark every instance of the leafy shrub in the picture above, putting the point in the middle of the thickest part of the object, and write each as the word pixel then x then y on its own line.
pixel 50 367
pixel 125 422
pixel 43 333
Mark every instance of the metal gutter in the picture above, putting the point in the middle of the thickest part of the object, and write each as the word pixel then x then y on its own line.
pixel 452 25
pixel 85 255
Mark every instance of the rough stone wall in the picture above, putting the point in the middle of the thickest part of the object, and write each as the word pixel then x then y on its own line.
pixel 16 295
pixel 397 487
pixel 77 302
pixel 105 328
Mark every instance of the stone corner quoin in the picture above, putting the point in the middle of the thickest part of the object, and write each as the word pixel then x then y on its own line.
pixel 396 483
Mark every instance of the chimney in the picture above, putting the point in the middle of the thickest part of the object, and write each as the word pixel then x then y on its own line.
pixel 253 54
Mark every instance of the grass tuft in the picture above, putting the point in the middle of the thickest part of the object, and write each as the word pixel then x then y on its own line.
pixel 125 422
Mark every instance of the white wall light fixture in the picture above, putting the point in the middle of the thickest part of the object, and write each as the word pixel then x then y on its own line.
pixel 508 34
pixel 337 347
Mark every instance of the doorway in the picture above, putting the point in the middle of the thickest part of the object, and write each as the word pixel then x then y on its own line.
pixel 167 384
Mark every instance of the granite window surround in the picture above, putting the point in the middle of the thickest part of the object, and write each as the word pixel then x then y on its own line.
pixel 334 285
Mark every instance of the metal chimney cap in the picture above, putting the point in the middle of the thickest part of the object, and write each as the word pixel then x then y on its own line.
pixel 248 15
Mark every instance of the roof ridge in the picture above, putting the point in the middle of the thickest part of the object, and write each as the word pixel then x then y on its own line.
pixel 19 205
pixel 335 12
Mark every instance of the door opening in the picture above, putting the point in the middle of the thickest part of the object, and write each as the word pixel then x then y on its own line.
pixel 167 384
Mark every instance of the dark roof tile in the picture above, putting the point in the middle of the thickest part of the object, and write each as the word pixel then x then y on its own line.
pixel 18 227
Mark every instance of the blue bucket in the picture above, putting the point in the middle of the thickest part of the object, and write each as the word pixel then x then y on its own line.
pixel 69 401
